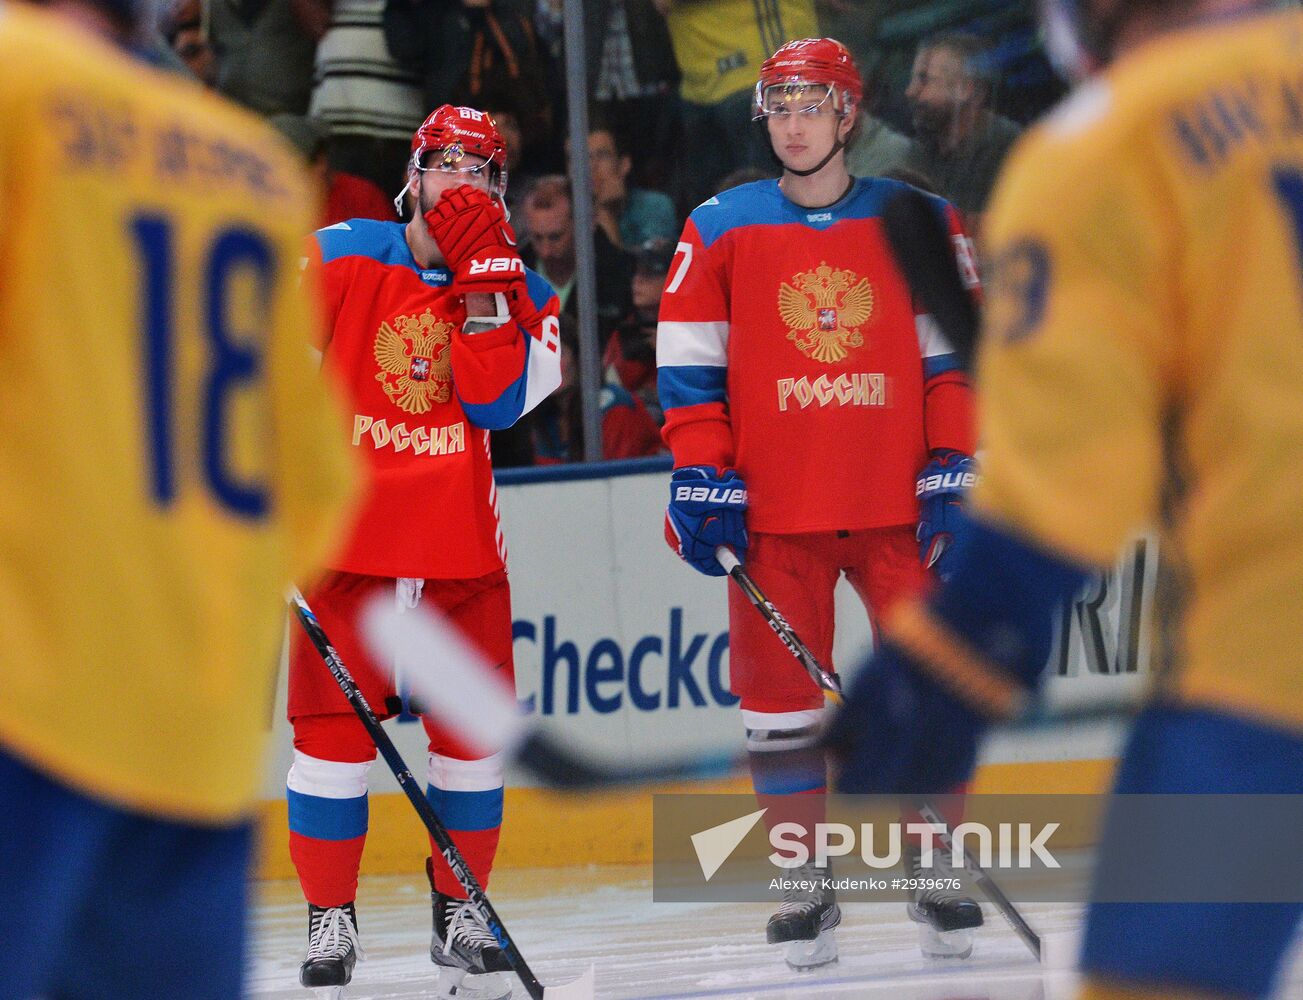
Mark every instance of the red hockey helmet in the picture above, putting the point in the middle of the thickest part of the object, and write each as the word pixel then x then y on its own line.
pixel 811 62
pixel 454 132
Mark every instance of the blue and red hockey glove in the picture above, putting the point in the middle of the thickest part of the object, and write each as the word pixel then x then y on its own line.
pixel 971 654
pixel 707 509
pixel 940 490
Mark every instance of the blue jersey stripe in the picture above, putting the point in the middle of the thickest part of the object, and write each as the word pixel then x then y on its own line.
pixel 939 364
pixel 326 819
pixel 467 810
pixel 689 385
pixel 507 408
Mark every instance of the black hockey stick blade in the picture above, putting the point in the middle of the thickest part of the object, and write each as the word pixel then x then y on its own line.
pixel 925 254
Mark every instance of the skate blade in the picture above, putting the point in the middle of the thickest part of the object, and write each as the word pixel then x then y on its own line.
pixel 328 992
pixel 457 984
pixel 805 955
pixel 945 944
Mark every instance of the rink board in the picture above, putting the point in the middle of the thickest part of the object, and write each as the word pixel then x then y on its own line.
pixel 622 650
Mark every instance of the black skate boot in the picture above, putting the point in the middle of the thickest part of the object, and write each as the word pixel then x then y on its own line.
pixel 333 950
pixel 946 917
pixel 804 922
pixel 469 957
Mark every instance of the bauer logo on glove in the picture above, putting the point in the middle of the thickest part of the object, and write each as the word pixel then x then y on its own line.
pixel 510 264
pixel 940 488
pixel 707 509
pixel 736 497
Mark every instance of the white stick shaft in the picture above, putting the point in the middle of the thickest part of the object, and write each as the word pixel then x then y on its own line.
pixel 450 677
pixel 726 558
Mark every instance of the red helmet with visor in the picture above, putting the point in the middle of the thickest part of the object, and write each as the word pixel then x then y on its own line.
pixel 453 132
pixel 810 63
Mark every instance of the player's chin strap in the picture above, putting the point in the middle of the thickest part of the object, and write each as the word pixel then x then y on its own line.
pixel 837 147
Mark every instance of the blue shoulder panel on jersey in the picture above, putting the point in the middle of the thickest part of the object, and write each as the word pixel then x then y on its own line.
pixel 507 408
pixel 380 241
pixel 763 203
pixel 689 385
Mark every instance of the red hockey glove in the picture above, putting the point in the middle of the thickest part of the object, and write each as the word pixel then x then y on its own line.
pixel 489 271
pixel 465 221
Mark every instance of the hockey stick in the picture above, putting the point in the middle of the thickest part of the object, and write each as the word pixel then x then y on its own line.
pixel 925 254
pixel 828 683
pixel 579 989
pixel 449 674
pixel 987 884
pixel 832 691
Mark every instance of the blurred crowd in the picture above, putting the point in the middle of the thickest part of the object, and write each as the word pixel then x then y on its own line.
pixel 948 87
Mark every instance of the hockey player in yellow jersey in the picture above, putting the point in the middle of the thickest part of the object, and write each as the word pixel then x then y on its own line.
pixel 168 463
pixel 1142 364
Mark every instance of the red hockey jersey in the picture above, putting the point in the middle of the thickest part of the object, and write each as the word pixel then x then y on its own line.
pixel 789 347
pixel 424 398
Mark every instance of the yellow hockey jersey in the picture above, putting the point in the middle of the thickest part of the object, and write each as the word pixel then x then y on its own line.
pixel 720 44
pixel 1143 358
pixel 168 457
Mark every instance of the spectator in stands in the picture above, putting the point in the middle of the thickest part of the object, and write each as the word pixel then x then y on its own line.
pixel 719 45
pixel 371 104
pixel 182 27
pixel 264 50
pixel 630 359
pixel 519 170
pixel 344 196
pixel 632 77
pixel 875 147
pixel 629 216
pixel 547 213
pixel 960 141
pixel 482 53
pixel 628 431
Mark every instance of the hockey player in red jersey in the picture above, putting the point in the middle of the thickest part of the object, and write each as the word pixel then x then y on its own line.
pixel 822 412
pixel 439 335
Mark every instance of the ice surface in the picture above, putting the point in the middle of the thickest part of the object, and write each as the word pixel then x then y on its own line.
pixel 563 919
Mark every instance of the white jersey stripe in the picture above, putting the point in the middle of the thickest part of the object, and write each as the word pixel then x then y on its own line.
pixel 682 343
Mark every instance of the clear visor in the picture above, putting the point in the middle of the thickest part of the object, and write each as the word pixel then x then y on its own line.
pixel 794 96
pixel 455 160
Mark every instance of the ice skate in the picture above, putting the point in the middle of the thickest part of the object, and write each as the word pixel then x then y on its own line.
pixel 805 920
pixel 333 950
pixel 946 917
pixel 468 955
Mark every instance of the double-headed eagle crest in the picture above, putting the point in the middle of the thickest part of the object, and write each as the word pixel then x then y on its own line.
pixel 824 309
pixel 414 355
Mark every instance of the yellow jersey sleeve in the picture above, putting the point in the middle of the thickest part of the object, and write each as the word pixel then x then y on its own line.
pixel 170 457
pixel 1072 371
